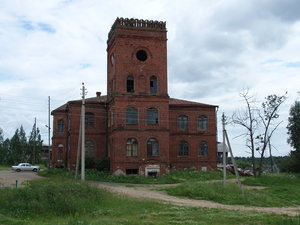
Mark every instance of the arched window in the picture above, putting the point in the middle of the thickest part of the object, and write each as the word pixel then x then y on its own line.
pixel 183 122
pixel 89 120
pixel 131 115
pixel 152 116
pixel 152 147
pixel 202 123
pixel 60 126
pixel 130 84
pixel 153 85
pixel 131 147
pixel 203 148
pixel 89 148
pixel 183 148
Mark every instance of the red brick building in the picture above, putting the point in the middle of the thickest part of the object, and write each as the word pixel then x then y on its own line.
pixel 137 125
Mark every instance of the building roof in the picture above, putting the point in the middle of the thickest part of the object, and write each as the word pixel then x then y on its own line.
pixel 181 102
pixel 103 99
pixel 93 100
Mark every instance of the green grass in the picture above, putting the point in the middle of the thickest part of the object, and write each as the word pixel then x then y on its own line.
pixel 53 202
pixel 281 190
pixel 4 167
pixel 176 176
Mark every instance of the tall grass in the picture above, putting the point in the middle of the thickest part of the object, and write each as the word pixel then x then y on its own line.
pixel 53 197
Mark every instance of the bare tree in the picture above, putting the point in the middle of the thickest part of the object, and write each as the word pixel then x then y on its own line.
pixel 247 118
pixel 259 126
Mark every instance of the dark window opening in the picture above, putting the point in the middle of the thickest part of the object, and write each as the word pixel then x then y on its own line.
pixel 141 55
pixel 152 147
pixel 89 120
pixel 153 85
pixel 60 126
pixel 203 149
pixel 132 171
pixel 152 174
pixel 152 116
pixel 130 84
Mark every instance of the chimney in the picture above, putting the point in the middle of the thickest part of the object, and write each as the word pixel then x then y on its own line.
pixel 98 94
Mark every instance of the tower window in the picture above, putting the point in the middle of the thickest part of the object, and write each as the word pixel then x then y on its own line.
pixel 152 116
pixel 141 55
pixel 130 84
pixel 153 85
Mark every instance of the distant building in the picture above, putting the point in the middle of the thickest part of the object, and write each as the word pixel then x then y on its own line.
pixel 137 125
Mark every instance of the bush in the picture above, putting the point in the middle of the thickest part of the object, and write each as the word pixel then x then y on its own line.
pixel 103 164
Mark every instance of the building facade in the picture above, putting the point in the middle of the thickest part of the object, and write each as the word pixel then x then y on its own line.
pixel 137 125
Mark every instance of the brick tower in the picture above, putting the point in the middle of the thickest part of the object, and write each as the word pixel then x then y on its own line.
pixel 138 100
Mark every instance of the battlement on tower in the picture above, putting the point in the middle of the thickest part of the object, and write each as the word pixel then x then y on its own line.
pixel 137 24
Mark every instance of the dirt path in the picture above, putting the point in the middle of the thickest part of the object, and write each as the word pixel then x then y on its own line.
pixel 146 192
pixel 9 177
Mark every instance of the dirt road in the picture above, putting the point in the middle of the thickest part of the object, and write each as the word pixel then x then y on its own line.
pixel 9 178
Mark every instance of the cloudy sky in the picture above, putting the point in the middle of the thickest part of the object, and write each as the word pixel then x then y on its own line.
pixel 216 48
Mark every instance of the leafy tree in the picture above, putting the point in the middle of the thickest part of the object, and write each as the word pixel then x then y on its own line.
pixel 1 137
pixel 292 162
pixel 18 147
pixel 35 145
pixel 294 126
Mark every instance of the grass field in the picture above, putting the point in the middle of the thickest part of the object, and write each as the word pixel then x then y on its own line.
pixel 280 190
pixel 176 176
pixel 59 201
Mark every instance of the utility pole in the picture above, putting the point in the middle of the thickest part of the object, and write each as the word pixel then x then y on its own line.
pixel 83 134
pixel 224 150
pixel 49 148
pixel 225 136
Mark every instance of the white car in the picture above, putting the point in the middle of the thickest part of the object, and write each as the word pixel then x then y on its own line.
pixel 25 167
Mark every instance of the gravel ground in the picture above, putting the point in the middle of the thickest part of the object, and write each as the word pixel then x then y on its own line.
pixel 8 178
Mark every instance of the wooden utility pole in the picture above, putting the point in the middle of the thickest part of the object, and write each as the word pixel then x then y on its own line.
pixel 83 134
pixel 225 136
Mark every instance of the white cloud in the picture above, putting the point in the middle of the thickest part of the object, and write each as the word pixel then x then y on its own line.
pixel 215 49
